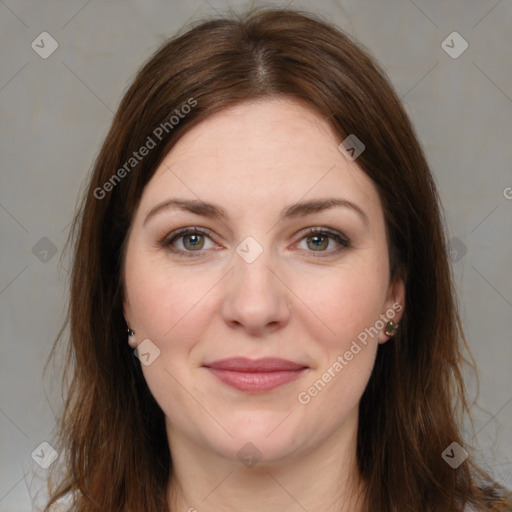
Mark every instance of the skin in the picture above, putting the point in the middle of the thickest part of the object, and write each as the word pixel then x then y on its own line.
pixel 292 301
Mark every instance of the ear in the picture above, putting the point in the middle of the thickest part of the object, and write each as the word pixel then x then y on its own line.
pixel 132 341
pixel 127 311
pixel 394 306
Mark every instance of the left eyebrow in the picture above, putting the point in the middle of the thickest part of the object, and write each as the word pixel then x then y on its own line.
pixel 292 211
pixel 317 205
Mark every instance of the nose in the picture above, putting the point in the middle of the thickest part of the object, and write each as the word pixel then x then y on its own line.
pixel 257 299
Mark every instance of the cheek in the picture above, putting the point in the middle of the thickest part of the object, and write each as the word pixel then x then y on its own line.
pixel 349 304
pixel 343 303
pixel 163 301
pixel 169 309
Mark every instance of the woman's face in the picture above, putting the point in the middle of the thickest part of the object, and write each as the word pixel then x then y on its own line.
pixel 247 280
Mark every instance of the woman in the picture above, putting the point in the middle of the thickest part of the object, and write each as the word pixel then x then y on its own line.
pixel 262 315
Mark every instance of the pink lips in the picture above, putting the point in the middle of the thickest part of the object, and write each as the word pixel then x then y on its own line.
pixel 255 375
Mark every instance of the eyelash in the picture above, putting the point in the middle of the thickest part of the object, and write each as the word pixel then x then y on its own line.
pixel 167 241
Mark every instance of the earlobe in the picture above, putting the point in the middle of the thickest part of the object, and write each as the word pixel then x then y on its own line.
pixel 129 327
pixel 132 341
pixel 395 306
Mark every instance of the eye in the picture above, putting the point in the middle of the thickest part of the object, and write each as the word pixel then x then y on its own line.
pixel 318 239
pixel 191 240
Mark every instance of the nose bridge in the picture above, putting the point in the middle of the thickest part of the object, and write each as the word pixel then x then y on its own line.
pixel 252 268
pixel 255 297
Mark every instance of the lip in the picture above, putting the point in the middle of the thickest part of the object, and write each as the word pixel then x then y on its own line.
pixel 263 365
pixel 255 375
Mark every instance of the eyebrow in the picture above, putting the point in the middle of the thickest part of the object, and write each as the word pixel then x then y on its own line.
pixel 293 211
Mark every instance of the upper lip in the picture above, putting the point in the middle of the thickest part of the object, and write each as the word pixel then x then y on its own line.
pixel 266 364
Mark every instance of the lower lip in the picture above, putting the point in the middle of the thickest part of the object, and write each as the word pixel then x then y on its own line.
pixel 256 381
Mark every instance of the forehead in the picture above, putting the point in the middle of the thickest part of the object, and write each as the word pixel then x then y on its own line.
pixel 267 131
pixel 271 151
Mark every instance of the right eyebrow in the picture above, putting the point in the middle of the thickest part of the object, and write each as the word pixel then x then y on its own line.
pixel 189 205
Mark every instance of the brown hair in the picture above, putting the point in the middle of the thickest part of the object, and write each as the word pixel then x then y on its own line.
pixel 112 430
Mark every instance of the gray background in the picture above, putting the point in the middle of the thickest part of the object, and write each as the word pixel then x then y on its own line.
pixel 55 112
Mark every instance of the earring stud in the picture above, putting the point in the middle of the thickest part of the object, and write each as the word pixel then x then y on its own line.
pixel 131 338
pixel 391 328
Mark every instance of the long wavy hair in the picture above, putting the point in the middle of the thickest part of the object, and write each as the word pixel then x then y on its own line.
pixel 111 432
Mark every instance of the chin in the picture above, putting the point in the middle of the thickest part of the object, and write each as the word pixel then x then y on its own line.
pixel 265 440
